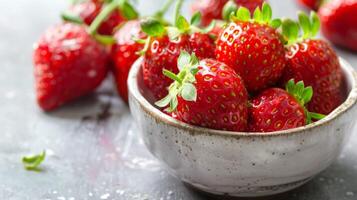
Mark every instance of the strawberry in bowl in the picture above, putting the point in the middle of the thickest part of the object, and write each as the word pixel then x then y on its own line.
pixel 229 127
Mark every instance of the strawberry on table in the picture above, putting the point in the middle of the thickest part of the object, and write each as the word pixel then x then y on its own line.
pixel 276 109
pixel 68 64
pixel 253 48
pixel 339 22
pixel 207 93
pixel 212 9
pixel 164 45
pixel 88 10
pixel 314 62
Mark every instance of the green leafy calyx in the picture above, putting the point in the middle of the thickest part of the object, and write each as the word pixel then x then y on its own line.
pixel 32 162
pixel 307 27
pixel 183 85
pixel 261 15
pixel 303 95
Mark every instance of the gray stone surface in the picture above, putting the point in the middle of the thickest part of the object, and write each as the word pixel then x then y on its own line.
pixel 93 150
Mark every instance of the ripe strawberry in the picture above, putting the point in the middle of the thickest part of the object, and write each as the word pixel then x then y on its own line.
pixel 207 93
pixel 212 9
pixel 275 109
pixel 339 22
pixel 63 70
pixel 314 62
pixel 252 47
pixel 88 10
pixel 163 48
pixel 124 53
pixel 311 4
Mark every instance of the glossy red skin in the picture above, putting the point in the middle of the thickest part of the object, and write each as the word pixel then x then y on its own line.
pixel 202 45
pixel 316 63
pixel 68 63
pixel 339 22
pixel 221 99
pixel 274 110
pixel 163 54
pixel 124 54
pixel 212 9
pixel 254 51
pixel 88 11
pixel 311 4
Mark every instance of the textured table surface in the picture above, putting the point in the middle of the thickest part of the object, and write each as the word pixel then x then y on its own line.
pixel 92 145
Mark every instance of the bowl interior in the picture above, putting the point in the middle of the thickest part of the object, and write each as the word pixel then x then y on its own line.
pixel 139 91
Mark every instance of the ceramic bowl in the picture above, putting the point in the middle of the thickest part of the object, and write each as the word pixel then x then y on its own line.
pixel 240 163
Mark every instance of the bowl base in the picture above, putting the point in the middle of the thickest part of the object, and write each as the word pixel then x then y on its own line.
pixel 252 191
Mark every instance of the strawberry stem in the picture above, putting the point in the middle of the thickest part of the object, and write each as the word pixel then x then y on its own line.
pixel 103 15
pixel 178 10
pixel 160 14
pixel 171 75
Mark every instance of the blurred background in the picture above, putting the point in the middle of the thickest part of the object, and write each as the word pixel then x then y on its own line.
pixel 93 151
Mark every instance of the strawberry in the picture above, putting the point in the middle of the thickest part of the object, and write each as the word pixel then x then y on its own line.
pixel 124 53
pixel 311 4
pixel 164 45
pixel 63 70
pixel 339 25
pixel 314 62
pixel 212 9
pixel 207 93
pixel 252 47
pixel 276 109
pixel 88 10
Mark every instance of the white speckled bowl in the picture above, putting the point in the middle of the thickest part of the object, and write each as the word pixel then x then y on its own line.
pixel 238 163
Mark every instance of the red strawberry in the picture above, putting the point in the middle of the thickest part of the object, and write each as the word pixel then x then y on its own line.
pixel 164 48
pixel 314 62
pixel 212 9
pixel 207 94
pixel 63 70
pixel 124 53
pixel 311 4
pixel 275 109
pixel 88 10
pixel 339 22
pixel 253 48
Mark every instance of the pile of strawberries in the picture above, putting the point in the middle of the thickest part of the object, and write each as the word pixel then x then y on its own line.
pixel 339 20
pixel 247 72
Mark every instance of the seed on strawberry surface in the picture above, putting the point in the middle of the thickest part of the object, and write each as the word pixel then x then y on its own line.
pixel 207 93
pixel 314 62
pixel 253 48
pixel 276 109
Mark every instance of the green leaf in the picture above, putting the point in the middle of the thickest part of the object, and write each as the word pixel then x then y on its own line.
pixel 164 102
pixel 183 60
pixel 315 24
pixel 243 14
pixel 189 92
pixel 173 33
pixel 32 162
pixel 307 94
pixel 105 39
pixel 290 30
pixel 290 86
pixel 128 11
pixel 182 24
pixel 196 19
pixel 317 115
pixel 173 103
pixel 275 23
pixel 194 59
pixel 300 88
pixel 304 22
pixel 152 27
pixel 70 17
pixel 210 27
pixel 229 8
pixel 267 12
pixel 258 16
pixel 171 75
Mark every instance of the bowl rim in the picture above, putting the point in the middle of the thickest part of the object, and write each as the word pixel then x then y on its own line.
pixel 350 77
